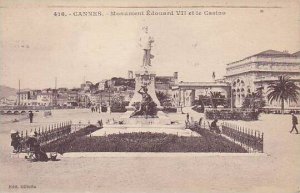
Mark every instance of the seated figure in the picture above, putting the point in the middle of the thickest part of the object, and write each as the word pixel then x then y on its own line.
pixel 147 106
pixel 214 126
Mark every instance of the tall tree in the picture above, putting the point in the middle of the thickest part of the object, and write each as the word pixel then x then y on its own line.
pixel 217 99
pixel 162 97
pixel 283 90
pixel 254 100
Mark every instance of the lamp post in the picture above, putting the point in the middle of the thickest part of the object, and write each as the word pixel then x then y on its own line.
pixel 179 100
pixel 109 102
pixel 19 102
pixel 231 97
pixel 100 108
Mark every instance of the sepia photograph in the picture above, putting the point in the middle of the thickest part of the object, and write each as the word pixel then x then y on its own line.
pixel 149 96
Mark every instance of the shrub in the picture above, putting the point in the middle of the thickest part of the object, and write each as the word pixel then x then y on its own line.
pixel 232 115
pixel 169 109
pixel 199 109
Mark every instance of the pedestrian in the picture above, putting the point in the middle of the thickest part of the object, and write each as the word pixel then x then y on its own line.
pixel 30 116
pixel 188 117
pixel 200 121
pixel 294 123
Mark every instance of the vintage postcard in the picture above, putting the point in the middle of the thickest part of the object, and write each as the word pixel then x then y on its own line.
pixel 149 96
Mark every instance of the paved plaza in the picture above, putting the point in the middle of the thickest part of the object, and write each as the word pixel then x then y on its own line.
pixel 278 170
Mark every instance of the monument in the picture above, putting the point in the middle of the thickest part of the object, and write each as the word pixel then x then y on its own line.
pixel 144 112
pixel 144 106
pixel 145 77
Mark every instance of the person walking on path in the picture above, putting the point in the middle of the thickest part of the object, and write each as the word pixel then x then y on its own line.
pixel 30 116
pixel 294 123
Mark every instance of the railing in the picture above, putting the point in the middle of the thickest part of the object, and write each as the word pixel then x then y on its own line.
pixel 46 134
pixel 77 126
pixel 251 140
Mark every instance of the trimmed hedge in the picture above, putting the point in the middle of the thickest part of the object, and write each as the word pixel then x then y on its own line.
pixel 232 115
pixel 169 109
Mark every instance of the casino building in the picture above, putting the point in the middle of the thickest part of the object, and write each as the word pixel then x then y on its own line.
pixel 244 77
pixel 257 71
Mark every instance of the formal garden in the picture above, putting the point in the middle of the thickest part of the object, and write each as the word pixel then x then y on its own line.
pixel 81 141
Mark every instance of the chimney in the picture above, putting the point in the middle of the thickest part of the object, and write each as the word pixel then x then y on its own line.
pixel 175 75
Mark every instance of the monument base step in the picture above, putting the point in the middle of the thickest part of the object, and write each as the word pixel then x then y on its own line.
pixel 161 119
pixel 167 129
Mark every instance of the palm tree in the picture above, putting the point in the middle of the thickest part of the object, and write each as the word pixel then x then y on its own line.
pixel 162 97
pixel 216 99
pixel 283 90
pixel 254 100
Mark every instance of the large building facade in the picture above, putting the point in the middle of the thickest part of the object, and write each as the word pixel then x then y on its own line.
pixel 258 71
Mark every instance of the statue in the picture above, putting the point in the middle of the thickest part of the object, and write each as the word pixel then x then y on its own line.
pixel 147 106
pixel 145 84
pixel 145 42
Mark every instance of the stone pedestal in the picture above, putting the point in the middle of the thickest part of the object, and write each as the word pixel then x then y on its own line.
pixel 144 77
pixel 161 119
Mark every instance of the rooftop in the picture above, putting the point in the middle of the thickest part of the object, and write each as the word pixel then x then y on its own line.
pixel 270 53
pixel 202 84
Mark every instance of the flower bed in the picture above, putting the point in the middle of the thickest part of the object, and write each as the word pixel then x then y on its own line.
pixel 147 142
pixel 218 140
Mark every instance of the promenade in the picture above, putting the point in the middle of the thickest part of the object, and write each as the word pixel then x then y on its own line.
pixel 278 170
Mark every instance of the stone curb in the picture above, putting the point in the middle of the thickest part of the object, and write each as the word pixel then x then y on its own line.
pixel 155 154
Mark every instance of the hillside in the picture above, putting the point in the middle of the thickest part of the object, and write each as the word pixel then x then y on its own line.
pixel 7 91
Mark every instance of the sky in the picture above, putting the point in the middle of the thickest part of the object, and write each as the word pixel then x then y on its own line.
pixel 37 46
